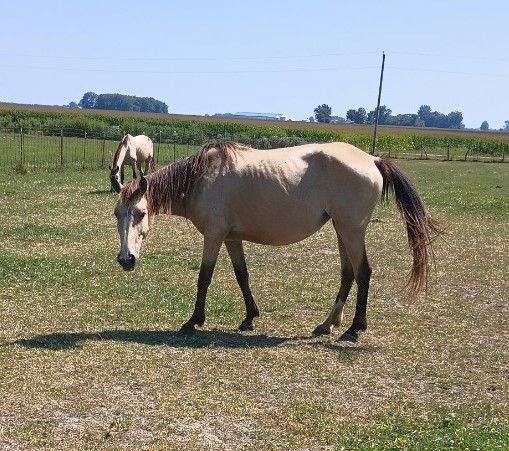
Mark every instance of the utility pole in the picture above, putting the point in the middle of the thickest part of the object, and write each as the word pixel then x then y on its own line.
pixel 373 146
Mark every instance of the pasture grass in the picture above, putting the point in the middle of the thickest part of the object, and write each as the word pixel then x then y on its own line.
pixel 90 357
pixel 51 152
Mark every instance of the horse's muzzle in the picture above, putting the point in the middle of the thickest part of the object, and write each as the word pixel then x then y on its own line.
pixel 127 263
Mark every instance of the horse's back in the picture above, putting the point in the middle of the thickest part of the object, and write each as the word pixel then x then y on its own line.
pixel 336 163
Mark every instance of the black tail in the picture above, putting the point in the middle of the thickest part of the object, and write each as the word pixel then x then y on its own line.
pixel 421 228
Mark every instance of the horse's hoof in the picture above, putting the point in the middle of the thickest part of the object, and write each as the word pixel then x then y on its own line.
pixel 322 329
pixel 246 325
pixel 350 335
pixel 187 328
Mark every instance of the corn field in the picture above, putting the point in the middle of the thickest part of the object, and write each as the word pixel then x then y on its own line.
pixel 60 137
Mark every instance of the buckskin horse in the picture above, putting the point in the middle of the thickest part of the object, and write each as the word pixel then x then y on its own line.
pixel 233 193
pixel 135 151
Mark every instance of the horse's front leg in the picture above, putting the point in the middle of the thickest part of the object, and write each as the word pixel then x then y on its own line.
pixel 211 247
pixel 136 169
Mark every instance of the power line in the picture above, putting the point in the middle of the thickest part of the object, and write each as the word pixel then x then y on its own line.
pixel 191 58
pixel 244 58
pixel 198 72
pixel 246 71
pixel 441 55
pixel 453 72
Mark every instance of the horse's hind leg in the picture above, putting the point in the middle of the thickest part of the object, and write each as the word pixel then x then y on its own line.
pixel 347 277
pixel 236 253
pixel 354 241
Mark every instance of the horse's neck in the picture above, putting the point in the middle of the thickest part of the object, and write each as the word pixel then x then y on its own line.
pixel 120 156
pixel 173 204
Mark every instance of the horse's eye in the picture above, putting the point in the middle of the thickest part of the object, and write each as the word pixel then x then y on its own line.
pixel 138 216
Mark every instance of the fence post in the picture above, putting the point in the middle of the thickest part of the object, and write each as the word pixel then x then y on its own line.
pixel 21 147
pixel 84 148
pixel 448 153
pixel 157 151
pixel 102 153
pixel 61 147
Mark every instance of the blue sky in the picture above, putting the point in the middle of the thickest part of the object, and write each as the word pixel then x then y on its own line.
pixel 278 56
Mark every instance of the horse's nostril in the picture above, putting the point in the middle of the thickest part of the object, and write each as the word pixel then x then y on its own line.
pixel 128 262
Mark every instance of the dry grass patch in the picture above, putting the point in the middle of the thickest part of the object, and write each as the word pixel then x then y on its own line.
pixel 89 356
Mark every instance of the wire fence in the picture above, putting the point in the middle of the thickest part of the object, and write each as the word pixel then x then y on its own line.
pixel 67 150
pixel 78 150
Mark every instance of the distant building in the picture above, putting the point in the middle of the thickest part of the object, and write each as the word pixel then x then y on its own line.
pixel 252 115
pixel 337 120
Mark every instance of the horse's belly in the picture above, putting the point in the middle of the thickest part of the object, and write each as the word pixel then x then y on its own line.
pixel 279 229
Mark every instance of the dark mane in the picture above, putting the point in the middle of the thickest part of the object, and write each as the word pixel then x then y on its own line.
pixel 176 182
pixel 117 152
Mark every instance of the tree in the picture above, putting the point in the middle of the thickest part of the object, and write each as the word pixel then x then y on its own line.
pixel 356 116
pixel 506 126
pixel 73 105
pixel 323 113
pixel 123 102
pixel 89 100
pixel 424 114
pixel 454 120
pixel 383 116
pixel 404 120
pixel 311 119
pixel 485 126
pixel 436 119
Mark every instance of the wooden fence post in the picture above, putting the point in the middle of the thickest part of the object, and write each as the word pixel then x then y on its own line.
pixel 84 149
pixel 157 146
pixel 102 153
pixel 61 147
pixel 22 139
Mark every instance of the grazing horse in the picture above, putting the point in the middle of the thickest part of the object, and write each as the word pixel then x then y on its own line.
pixel 133 150
pixel 233 193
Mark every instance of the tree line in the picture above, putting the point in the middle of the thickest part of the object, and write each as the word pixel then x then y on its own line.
pixel 424 117
pixel 120 102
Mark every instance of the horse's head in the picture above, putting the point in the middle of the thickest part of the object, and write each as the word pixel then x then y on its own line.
pixel 132 222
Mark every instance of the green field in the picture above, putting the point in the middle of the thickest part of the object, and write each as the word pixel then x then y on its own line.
pixel 44 125
pixel 90 357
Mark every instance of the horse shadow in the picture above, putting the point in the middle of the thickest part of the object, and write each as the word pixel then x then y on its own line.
pixel 98 192
pixel 176 339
